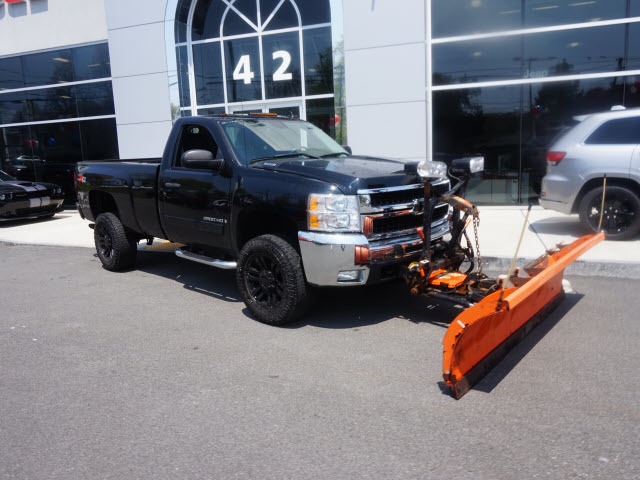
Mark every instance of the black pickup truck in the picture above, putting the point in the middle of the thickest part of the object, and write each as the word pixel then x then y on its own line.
pixel 274 198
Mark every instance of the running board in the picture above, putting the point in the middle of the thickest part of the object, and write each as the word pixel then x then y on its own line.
pixel 212 262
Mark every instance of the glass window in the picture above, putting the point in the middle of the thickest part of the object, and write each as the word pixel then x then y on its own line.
pixel 234 24
pixel 243 69
pixel 91 62
pixel 95 99
pixel 182 14
pixel 208 73
pixel 14 108
pixel 622 131
pixel 314 12
pixel 47 68
pixel 11 73
pixel 53 103
pixel 633 60
pixel 99 139
pixel 211 111
pixel 282 65
pixel 635 8
pixel 547 54
pixel 464 17
pixel 321 112
pixel 318 61
pixel 248 8
pixel 58 142
pixel 206 19
pixel 285 16
pixel 542 13
pixel 194 137
pixel 183 75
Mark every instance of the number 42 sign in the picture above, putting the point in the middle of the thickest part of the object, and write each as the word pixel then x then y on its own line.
pixel 243 68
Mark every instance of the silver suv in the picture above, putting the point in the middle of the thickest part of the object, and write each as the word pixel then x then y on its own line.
pixel 602 143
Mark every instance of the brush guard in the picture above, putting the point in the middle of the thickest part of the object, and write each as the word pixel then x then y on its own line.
pixel 499 312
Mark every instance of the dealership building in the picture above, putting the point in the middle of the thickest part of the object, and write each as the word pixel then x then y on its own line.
pixel 409 79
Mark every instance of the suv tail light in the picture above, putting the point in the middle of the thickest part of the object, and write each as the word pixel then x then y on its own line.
pixel 554 158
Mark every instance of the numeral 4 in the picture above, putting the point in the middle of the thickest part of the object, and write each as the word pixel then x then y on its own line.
pixel 243 70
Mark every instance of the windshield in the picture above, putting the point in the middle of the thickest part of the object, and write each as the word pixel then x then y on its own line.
pixel 256 140
pixel 5 177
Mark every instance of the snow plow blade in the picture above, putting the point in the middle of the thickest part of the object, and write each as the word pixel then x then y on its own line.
pixel 480 337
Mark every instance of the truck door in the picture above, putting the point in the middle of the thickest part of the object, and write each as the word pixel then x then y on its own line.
pixel 194 203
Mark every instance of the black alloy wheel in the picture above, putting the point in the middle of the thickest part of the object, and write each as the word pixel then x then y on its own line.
pixel 621 217
pixel 115 247
pixel 271 280
pixel 264 280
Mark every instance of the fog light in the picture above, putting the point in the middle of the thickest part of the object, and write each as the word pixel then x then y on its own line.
pixel 349 276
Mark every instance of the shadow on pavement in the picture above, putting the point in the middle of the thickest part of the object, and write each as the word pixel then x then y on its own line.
pixel 216 283
pixel 334 308
pixel 558 226
pixel 493 379
pixel 27 221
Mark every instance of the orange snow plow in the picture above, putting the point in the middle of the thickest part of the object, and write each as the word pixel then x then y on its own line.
pixel 500 312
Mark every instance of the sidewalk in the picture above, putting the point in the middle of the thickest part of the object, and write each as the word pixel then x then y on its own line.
pixel 499 231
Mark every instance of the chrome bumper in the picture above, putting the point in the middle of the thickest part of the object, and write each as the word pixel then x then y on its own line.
pixel 329 259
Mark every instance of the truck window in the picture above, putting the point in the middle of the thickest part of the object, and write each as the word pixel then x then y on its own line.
pixel 622 131
pixel 194 137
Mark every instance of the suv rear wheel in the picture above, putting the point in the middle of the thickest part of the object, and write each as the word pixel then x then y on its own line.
pixel 271 280
pixel 621 218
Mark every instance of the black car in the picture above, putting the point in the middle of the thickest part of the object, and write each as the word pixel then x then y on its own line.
pixel 20 199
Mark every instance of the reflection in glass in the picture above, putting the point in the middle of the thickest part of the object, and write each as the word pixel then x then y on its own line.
pixel 314 12
pixel 285 17
pixel 183 75
pixel 211 111
pixel 321 113
pixel 47 68
pixel 318 61
pixel 242 62
pixel 58 142
pixel 542 13
pixel 11 73
pixel 95 99
pixel 15 142
pixel 52 103
pixel 182 15
pixel 208 74
pixel 234 24
pixel 513 127
pixel 633 59
pixel 91 62
pixel 282 74
pixel 99 139
pixel 546 54
pixel 14 107
pixel 206 19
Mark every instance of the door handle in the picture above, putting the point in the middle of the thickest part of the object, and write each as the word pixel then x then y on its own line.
pixel 172 185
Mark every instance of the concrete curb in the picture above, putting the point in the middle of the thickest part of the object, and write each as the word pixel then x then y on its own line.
pixel 580 268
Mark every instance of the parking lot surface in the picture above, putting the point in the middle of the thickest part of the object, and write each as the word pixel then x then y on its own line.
pixel 159 373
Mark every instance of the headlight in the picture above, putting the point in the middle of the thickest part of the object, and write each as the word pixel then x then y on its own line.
pixel 333 213
pixel 58 190
pixel 2 197
pixel 428 169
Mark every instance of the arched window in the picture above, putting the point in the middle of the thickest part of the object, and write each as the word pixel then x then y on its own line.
pixel 256 55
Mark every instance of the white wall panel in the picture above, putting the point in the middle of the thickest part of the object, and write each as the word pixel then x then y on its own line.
pixel 137 50
pixel 385 75
pixel 45 24
pixel 142 98
pixel 143 140
pixel 394 130
pixel 375 23
pixel 126 13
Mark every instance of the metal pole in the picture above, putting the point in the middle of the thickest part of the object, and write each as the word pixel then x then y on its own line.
pixel 428 72
pixel 515 257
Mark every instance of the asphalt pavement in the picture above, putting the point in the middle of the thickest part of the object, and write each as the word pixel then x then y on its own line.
pixel 159 372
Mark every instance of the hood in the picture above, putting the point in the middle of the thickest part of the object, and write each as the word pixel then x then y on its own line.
pixel 23 186
pixel 348 173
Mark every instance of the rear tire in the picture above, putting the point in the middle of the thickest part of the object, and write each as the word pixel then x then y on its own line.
pixel 115 248
pixel 271 280
pixel 621 219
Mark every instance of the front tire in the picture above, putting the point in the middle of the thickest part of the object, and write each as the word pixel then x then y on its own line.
pixel 271 280
pixel 621 219
pixel 116 250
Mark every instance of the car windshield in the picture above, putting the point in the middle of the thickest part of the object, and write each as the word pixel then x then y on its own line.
pixel 5 177
pixel 255 140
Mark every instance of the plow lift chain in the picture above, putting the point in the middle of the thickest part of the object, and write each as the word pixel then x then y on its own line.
pixel 498 312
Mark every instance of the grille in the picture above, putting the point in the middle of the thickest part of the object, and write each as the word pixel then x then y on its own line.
pixel 405 222
pixel 404 196
pixel 35 210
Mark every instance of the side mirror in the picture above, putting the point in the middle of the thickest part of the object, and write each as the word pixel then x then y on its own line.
pixel 201 159
pixel 467 165
pixel 348 149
